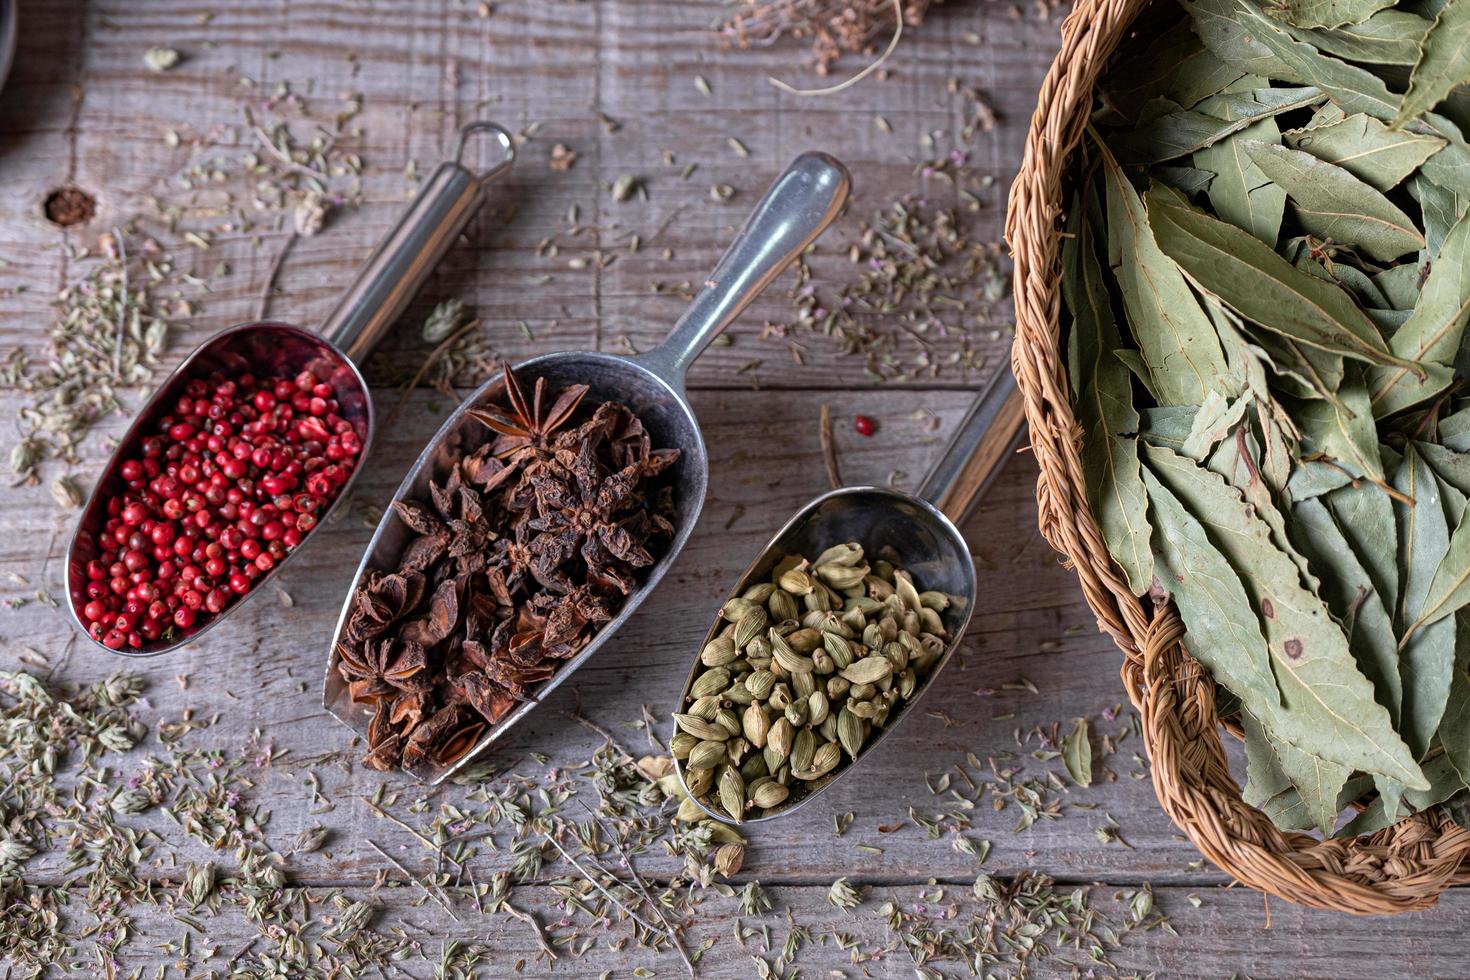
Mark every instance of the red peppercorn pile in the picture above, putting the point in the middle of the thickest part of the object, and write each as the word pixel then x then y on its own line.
pixel 225 487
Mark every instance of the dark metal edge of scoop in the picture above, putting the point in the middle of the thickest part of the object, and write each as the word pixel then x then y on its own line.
pixel 107 482
pixel 957 621
pixel 334 690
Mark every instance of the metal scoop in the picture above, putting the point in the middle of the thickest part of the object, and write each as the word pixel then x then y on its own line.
pixel 916 531
pixel 383 288
pixel 798 206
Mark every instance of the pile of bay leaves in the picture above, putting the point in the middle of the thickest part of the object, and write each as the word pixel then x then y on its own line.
pixel 1267 270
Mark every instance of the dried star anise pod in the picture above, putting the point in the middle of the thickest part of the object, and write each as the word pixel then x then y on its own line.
pixel 525 432
pixel 398 663
pixel 450 733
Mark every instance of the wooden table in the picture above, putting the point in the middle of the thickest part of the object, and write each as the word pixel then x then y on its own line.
pixel 81 108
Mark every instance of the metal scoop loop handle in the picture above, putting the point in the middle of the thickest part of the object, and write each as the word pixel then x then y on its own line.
pixel 991 430
pixel 794 211
pixel 409 252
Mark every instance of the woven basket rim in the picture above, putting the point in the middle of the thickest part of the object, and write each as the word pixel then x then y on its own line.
pixel 1399 869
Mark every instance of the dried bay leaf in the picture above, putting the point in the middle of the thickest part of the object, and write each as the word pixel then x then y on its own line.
pixel 1444 64
pixel 1176 134
pixel 1171 425
pixel 1174 336
pixel 1187 180
pixel 1442 209
pixel 1216 418
pixel 1433 332
pixel 1454 727
pixel 1352 597
pixel 1400 284
pixel 1366 516
pixel 1331 203
pixel 1326 13
pixel 1327 707
pixel 1426 645
pixel 1366 148
pixel 1223 29
pixel 1176 65
pixel 1343 429
pixel 1222 629
pixel 1247 276
pixel 1240 193
pixel 1295 797
pixel 1105 408
pixel 1389 37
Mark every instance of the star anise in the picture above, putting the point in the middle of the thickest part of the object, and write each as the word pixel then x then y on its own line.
pixel 525 433
pixel 398 663
pixel 519 552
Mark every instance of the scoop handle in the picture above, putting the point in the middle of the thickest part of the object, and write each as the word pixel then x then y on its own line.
pixel 795 210
pixel 406 256
pixel 991 431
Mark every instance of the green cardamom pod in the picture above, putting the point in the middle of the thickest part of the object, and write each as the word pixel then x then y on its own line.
pixel 705 707
pixel 699 728
pixel 788 658
pixel 754 768
pixel 728 720
pixel 756 725
pixel 698 781
pixel 769 794
pixel 732 792
pixel 760 683
pixel 736 608
pixel 929 622
pixel 712 681
pixel 681 744
pixel 718 652
pixel 750 625
pixel 837 687
pixel 689 811
pixel 850 732
pixel 848 553
pixel 828 728
pixel 803 747
pixel 780 738
pixel 817 707
pixel 869 670
pixel 738 693
pixel 907 594
pixel 838 649
pixel 760 592
pixel 804 640
pixel 802 686
pixel 907 681
pixel 782 605
pixel 826 758
pixel 797 582
pixel 707 755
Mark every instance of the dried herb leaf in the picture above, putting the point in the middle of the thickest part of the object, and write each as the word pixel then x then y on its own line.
pixel 1444 64
pixel 1326 13
pixel 1175 336
pixel 1176 134
pixel 1326 706
pixel 1077 753
pixel 1389 37
pixel 1430 574
pixel 1246 275
pixel 1240 193
pixel 1333 204
pixel 1105 408
pixel 1367 149
pixel 1433 332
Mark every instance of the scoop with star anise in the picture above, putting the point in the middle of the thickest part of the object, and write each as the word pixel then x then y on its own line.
pixel 528 545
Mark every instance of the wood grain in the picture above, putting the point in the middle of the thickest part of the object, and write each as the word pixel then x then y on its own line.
pixel 81 108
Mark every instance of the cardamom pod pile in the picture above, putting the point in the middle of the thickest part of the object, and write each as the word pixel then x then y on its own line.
pixel 1267 271
pixel 798 674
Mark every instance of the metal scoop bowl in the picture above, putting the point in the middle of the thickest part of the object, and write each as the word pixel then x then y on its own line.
pixel 793 212
pixel 382 290
pixel 915 531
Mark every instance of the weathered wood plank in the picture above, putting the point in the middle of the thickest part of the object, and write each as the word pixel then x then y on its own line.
pixel 1230 933
pixel 421 73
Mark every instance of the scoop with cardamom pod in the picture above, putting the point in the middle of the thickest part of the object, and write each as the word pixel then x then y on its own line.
pixel 836 630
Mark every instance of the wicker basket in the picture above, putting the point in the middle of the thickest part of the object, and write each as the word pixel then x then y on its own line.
pixel 1400 869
